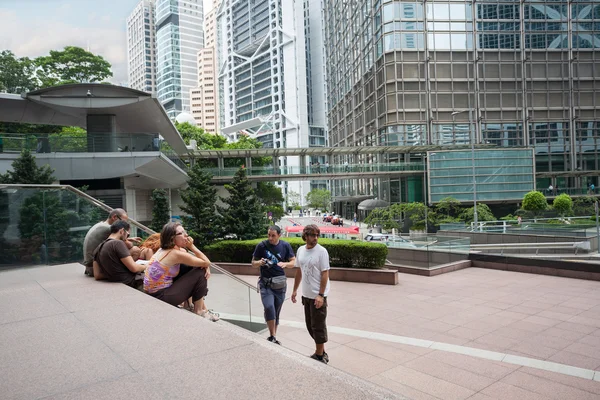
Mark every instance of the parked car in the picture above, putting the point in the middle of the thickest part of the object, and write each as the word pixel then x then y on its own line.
pixel 337 220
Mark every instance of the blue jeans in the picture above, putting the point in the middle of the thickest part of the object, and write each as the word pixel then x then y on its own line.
pixel 272 301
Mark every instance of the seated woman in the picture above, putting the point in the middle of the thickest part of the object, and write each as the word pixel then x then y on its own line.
pixel 150 246
pixel 164 267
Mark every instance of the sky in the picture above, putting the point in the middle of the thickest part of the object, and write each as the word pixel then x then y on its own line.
pixel 34 27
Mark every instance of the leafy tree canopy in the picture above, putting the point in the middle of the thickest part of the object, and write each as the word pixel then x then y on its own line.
pixel 71 65
pixel 319 199
pixel 534 202
pixel 26 171
pixel 205 141
pixel 382 216
pixel 17 75
pixel 563 204
pixel 483 214
pixel 293 199
pixel 448 206
pixel 271 199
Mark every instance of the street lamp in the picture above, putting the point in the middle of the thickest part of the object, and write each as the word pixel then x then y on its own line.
pixel 473 138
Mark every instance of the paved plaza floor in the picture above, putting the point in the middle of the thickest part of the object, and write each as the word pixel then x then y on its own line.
pixel 469 334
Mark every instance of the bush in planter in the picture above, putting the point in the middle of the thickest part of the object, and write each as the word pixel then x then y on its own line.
pixel 342 253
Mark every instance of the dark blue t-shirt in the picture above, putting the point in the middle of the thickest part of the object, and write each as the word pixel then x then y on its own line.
pixel 284 251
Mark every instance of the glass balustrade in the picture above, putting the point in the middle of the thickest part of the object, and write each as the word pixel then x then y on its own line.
pixel 88 143
pixel 46 225
pixel 85 143
pixel 338 169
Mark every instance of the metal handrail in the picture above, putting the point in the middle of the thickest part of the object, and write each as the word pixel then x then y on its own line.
pixel 103 206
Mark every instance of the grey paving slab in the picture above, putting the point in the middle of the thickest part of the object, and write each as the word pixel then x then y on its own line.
pixel 258 373
pixel 152 326
pixel 126 387
pixel 100 294
pixel 44 356
pixel 27 301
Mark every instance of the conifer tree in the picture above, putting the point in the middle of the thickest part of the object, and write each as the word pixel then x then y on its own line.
pixel 243 214
pixel 202 222
pixel 26 171
pixel 160 209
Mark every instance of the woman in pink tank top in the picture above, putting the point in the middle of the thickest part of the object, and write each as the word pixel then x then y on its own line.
pixel 162 278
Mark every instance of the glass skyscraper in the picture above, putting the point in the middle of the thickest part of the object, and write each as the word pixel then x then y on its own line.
pixel 504 73
pixel 179 36
pixel 270 69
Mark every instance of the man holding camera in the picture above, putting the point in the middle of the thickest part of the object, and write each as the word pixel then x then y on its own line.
pixel 272 256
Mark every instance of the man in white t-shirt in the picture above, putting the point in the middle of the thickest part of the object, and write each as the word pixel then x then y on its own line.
pixel 312 261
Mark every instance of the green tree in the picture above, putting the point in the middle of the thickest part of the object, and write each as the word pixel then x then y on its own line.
pixel 205 141
pixel 271 199
pixel 293 199
pixel 17 75
pixel 160 209
pixel 416 212
pixel 242 215
pixel 383 217
pixel 534 202
pixel 71 65
pixel 70 138
pixel 584 205
pixel 483 214
pixel 26 171
pixel 199 200
pixel 319 199
pixel 246 142
pixel 563 204
pixel 448 206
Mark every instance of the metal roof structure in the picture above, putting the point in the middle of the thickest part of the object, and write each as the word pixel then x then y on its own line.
pixel 316 151
pixel 69 105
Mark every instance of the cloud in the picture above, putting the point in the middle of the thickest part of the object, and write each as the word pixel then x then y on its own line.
pixel 33 37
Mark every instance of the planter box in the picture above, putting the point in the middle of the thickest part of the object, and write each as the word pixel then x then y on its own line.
pixel 377 276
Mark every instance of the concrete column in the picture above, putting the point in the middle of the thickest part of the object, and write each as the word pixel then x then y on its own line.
pixel 248 162
pixel 101 134
pixel 220 163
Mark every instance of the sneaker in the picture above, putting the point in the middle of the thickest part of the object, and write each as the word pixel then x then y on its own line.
pixel 320 358
pixel 210 315
pixel 89 271
pixel 326 357
pixel 272 339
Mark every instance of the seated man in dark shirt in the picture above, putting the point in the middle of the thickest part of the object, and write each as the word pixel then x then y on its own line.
pixel 112 260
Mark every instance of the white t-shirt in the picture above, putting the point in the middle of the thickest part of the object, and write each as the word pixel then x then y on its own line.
pixel 312 262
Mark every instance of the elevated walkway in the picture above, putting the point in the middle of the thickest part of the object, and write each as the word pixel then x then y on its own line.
pixel 65 335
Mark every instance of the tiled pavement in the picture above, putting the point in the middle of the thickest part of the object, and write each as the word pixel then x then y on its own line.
pixel 66 336
pixel 535 317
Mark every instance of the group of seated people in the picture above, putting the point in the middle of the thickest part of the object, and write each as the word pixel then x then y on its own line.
pixel 167 266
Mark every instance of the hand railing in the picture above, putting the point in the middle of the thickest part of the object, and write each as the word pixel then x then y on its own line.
pixel 49 207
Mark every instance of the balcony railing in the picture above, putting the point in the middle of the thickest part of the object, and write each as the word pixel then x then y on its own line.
pixel 87 143
pixel 337 169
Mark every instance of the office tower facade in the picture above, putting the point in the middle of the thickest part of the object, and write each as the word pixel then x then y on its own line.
pixel 179 37
pixel 141 52
pixel 502 73
pixel 203 98
pixel 267 79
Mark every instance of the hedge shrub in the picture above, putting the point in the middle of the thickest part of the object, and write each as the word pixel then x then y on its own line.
pixel 342 253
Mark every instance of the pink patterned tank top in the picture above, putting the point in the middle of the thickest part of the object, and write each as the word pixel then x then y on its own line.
pixel 159 276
